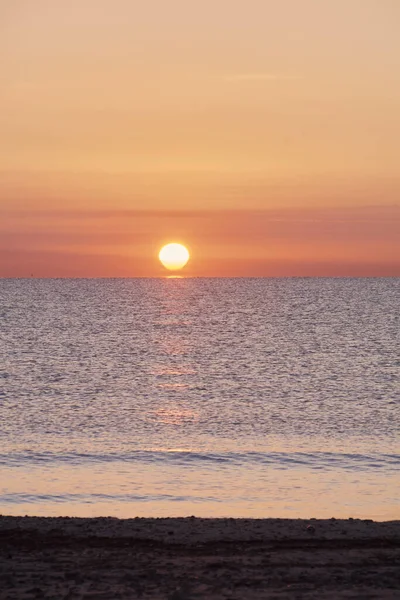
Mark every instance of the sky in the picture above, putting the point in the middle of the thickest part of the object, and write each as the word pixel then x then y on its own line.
pixel 263 134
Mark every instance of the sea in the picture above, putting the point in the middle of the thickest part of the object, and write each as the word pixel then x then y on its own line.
pixel 215 397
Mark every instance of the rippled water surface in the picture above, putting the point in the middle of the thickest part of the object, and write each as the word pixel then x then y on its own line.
pixel 215 397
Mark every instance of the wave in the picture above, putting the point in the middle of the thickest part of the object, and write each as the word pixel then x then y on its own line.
pixel 95 498
pixel 277 460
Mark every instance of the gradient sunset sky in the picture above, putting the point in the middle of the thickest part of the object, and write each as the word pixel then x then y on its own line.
pixel 264 134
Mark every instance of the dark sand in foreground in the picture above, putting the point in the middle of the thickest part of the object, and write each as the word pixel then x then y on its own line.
pixel 183 559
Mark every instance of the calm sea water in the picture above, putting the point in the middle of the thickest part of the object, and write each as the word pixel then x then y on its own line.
pixel 214 397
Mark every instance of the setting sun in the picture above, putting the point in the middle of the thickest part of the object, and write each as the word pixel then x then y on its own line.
pixel 174 256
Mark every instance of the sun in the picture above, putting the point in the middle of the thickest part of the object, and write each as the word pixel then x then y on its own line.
pixel 174 256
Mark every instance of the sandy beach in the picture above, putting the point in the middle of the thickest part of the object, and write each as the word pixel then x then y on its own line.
pixel 179 559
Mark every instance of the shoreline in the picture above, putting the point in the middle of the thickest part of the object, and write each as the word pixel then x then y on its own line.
pixel 185 558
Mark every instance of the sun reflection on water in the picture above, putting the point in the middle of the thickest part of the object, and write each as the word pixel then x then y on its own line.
pixel 176 416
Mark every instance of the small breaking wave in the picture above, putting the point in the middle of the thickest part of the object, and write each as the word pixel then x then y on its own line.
pixel 325 461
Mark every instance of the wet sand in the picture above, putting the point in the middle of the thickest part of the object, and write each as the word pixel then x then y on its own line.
pixel 184 559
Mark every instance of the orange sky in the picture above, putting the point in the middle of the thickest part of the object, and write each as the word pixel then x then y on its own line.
pixel 265 135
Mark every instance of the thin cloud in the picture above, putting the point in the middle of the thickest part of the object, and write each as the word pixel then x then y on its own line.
pixel 369 213
pixel 238 77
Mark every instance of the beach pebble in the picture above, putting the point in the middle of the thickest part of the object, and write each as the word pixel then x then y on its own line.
pixel 311 529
